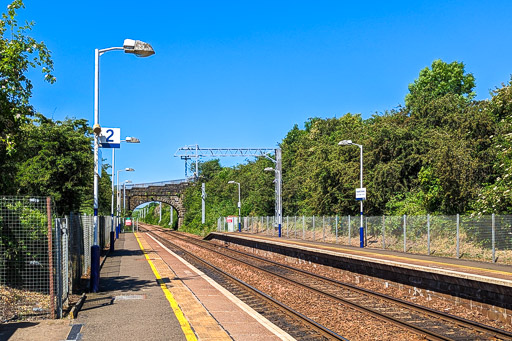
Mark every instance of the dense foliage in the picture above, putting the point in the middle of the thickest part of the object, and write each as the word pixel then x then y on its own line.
pixel 442 153
pixel 40 156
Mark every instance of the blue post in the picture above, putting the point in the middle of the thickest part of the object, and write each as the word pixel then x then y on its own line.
pixel 95 258
pixel 112 239
pixel 95 268
pixel 279 230
pixel 118 228
pixel 361 231
pixel 239 226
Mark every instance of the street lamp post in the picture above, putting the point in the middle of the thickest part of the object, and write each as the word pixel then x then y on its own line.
pixel 140 49
pixel 128 139
pixel 118 227
pixel 124 195
pixel 239 206
pixel 361 228
pixel 278 198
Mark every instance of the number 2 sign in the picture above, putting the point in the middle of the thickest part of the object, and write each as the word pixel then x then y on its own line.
pixel 110 137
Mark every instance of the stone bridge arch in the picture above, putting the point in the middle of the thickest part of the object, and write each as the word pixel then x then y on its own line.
pixel 168 192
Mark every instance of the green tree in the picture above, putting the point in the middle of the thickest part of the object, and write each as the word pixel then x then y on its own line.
pixel 20 54
pixel 438 81
pixel 495 195
pixel 55 159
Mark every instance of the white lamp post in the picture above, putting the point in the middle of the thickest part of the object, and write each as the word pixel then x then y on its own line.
pixel 128 139
pixel 350 143
pixel 278 198
pixel 140 49
pixel 239 206
pixel 119 191
pixel 118 227
pixel 124 195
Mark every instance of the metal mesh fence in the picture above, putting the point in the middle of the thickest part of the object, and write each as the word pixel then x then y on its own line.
pixel 486 238
pixel 26 268
pixel 43 259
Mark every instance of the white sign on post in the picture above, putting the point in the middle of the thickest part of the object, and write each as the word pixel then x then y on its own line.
pixel 110 138
pixel 361 193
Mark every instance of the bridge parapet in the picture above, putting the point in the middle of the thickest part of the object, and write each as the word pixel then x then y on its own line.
pixel 169 192
pixel 159 183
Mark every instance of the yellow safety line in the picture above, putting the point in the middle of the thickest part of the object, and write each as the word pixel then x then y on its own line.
pixel 185 326
pixel 373 255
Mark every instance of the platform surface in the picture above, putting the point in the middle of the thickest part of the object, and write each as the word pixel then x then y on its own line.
pixel 130 304
pixel 149 293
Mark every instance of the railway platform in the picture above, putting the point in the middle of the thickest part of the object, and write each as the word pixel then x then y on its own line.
pixel 486 287
pixel 149 293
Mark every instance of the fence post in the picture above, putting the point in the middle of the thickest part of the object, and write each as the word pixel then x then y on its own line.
pixel 58 266
pixel 428 233
pixel 458 254
pixel 366 232
pixel 405 233
pixel 349 229
pixel 336 229
pixel 287 228
pixel 295 226
pixel 50 254
pixel 314 228
pixel 383 232
pixel 323 228
pixel 303 227
pixel 493 235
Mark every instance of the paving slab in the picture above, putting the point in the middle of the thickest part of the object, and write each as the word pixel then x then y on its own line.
pixel 130 304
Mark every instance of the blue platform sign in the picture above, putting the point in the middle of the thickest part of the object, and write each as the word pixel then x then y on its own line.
pixel 110 137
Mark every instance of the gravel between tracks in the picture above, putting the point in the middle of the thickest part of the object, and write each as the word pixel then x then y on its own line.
pixel 342 319
pixel 377 285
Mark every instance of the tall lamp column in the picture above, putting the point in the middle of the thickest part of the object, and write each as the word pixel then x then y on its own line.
pixel 361 228
pixel 140 49
pixel 118 228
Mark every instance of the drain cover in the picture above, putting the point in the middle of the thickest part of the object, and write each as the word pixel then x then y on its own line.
pixel 129 297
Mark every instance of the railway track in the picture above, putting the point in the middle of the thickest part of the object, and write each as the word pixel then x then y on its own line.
pixel 294 323
pixel 429 323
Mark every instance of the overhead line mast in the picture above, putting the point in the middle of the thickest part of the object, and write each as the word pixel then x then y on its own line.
pixel 193 151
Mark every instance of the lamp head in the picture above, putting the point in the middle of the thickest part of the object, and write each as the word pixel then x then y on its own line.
pixel 131 139
pixel 231 182
pixel 137 47
pixel 269 169
pixel 345 143
pixel 96 129
pixel 129 169
pixel 127 181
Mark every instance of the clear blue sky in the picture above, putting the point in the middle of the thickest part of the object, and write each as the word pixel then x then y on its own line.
pixel 241 74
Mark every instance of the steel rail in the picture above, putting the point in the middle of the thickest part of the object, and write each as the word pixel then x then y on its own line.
pixel 323 331
pixel 474 326
pixel 418 308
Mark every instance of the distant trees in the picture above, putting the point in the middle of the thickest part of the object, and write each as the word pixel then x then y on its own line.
pixel 434 83
pixel 442 153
